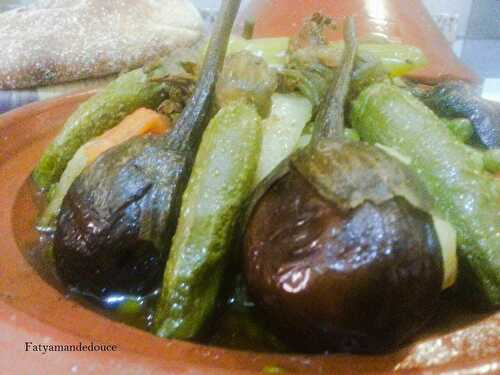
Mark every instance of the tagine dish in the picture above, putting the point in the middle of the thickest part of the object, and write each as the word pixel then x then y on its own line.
pixel 287 195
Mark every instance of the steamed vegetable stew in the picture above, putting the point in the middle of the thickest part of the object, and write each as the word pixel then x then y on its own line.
pixel 285 194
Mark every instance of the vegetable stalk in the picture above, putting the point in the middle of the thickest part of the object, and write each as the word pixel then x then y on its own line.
pixel 330 118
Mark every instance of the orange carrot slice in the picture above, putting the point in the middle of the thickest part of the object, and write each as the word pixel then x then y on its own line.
pixel 140 122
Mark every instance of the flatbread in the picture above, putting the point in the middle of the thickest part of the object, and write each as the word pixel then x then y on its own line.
pixel 55 41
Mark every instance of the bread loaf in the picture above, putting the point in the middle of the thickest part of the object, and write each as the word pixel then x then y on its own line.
pixel 55 41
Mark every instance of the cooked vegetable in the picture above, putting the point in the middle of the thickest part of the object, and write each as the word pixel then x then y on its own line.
pixel 292 194
pixel 349 135
pixel 272 50
pixel 282 130
pixel 309 74
pixel 248 77
pixel 310 80
pixel 103 111
pixel 324 276
pixel 224 171
pixel 447 236
pixel 312 32
pixel 461 128
pixel 142 121
pixel 458 100
pixel 397 59
pixel 221 182
pixel 118 218
pixel 337 252
pixel 465 195
pixel 491 161
pixel 368 70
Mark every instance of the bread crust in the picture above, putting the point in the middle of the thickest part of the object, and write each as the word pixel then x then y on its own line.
pixel 56 41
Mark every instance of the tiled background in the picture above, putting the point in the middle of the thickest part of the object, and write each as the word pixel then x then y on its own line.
pixel 461 8
pixel 477 39
pixel 481 44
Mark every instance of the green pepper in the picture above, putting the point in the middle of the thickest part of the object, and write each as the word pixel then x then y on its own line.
pixel 220 183
pixel 462 192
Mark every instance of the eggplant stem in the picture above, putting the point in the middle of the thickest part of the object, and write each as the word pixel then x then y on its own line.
pixel 330 118
pixel 194 118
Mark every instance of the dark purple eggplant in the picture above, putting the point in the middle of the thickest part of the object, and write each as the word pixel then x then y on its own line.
pixel 456 99
pixel 117 220
pixel 338 250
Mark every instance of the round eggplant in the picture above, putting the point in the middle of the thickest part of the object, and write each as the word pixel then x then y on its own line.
pixel 339 252
pixel 117 219
pixel 456 99
pixel 335 260
pixel 119 216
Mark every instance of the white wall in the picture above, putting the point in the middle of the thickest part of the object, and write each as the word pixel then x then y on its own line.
pixel 460 7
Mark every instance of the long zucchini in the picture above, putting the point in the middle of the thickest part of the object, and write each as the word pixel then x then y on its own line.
pixel 221 181
pixel 104 110
pixel 397 59
pixel 466 195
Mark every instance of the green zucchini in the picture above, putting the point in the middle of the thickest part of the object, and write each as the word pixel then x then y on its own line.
pixel 463 193
pixel 104 110
pixel 220 183
pixel 396 58
pixel 461 128
pixel 491 160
